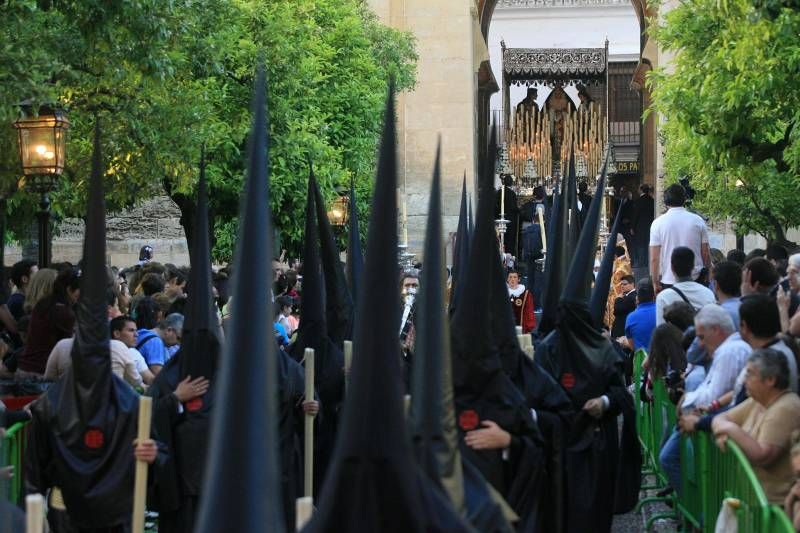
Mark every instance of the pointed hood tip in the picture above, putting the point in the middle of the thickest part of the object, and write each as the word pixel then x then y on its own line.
pixel 247 376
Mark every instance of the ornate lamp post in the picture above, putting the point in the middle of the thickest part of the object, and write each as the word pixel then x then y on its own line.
pixel 42 143
pixel 337 214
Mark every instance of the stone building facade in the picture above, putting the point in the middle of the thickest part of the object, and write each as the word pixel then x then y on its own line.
pixel 155 222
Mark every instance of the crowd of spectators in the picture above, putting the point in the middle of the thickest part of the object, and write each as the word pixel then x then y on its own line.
pixel 728 355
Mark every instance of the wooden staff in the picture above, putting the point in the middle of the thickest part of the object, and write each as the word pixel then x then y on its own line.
pixel 34 513
pixel 308 489
pixel 348 361
pixel 140 483
pixel 542 230
pixel 304 508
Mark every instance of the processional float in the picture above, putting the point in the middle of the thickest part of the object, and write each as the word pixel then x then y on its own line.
pixel 536 143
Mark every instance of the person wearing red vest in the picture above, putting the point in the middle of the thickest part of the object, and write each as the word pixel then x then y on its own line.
pixel 521 302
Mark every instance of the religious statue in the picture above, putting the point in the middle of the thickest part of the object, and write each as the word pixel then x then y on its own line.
pixel 585 98
pixel 558 107
pixel 526 111
pixel 528 104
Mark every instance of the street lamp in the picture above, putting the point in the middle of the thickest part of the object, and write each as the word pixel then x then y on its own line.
pixel 42 143
pixel 337 214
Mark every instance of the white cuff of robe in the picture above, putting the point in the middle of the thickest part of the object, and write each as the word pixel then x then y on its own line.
pixel 606 402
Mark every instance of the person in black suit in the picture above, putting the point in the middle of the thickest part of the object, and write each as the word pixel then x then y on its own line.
pixel 623 305
pixel 644 209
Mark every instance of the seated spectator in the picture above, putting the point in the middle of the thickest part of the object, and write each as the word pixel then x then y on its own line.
pixel 171 331
pixel 149 343
pixel 761 327
pixel 151 284
pixel 758 275
pixel 284 305
pixel 736 256
pixel 122 363
pixel 281 336
pixel 666 353
pixel 728 354
pixel 790 320
pixel 763 424
pixel 685 288
pixel 40 287
pixel 21 274
pixel 727 277
pixel 639 325
pixel 52 319
pixel 123 329
pixel 176 282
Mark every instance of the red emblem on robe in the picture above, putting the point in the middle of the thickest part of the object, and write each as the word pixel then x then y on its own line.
pixel 468 420
pixel 195 404
pixel 93 439
pixel 567 380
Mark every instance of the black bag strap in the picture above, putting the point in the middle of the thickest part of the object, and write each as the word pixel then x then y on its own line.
pixel 143 340
pixel 680 293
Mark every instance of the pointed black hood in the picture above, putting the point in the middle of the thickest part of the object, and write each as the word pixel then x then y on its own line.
pixel 355 259
pixel 474 348
pixel 91 352
pixel 313 329
pixel 602 284
pixel 371 482
pixel 432 419
pixel 461 248
pixel 555 263
pixel 242 487
pixel 574 218
pixel 201 340
pixel 338 302
pixel 577 288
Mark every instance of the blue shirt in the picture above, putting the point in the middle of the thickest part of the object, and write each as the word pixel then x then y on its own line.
pixel 152 349
pixel 731 305
pixel 640 324
pixel 280 332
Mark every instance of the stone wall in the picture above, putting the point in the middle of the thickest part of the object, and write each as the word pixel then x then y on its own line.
pixel 155 222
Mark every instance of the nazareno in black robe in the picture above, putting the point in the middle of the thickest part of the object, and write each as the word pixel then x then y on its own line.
pixel 586 365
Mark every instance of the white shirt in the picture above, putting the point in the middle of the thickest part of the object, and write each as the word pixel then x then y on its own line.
pixel 138 359
pixel 678 227
pixel 60 360
pixel 729 359
pixel 697 294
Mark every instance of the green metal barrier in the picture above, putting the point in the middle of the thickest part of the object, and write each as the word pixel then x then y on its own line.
pixel 13 449
pixel 708 475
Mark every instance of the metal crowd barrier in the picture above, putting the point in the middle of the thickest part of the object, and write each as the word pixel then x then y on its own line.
pixel 708 475
pixel 13 454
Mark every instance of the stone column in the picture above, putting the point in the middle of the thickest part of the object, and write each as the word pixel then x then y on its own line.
pixel 441 104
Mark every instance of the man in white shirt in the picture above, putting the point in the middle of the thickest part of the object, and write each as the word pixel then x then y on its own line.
pixel 729 353
pixel 123 329
pixel 122 365
pixel 677 227
pixel 684 289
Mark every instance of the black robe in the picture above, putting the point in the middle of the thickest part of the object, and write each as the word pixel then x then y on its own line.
pixel 587 366
pixel 91 462
pixel 184 428
pixel 178 482
pixel 516 474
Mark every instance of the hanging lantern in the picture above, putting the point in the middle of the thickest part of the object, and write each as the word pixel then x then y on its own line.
pixel 337 214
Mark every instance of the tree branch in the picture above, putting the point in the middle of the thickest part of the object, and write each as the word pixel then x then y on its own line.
pixel 761 152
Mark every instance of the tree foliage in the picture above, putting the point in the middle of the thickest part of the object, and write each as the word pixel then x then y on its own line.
pixel 167 76
pixel 730 101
